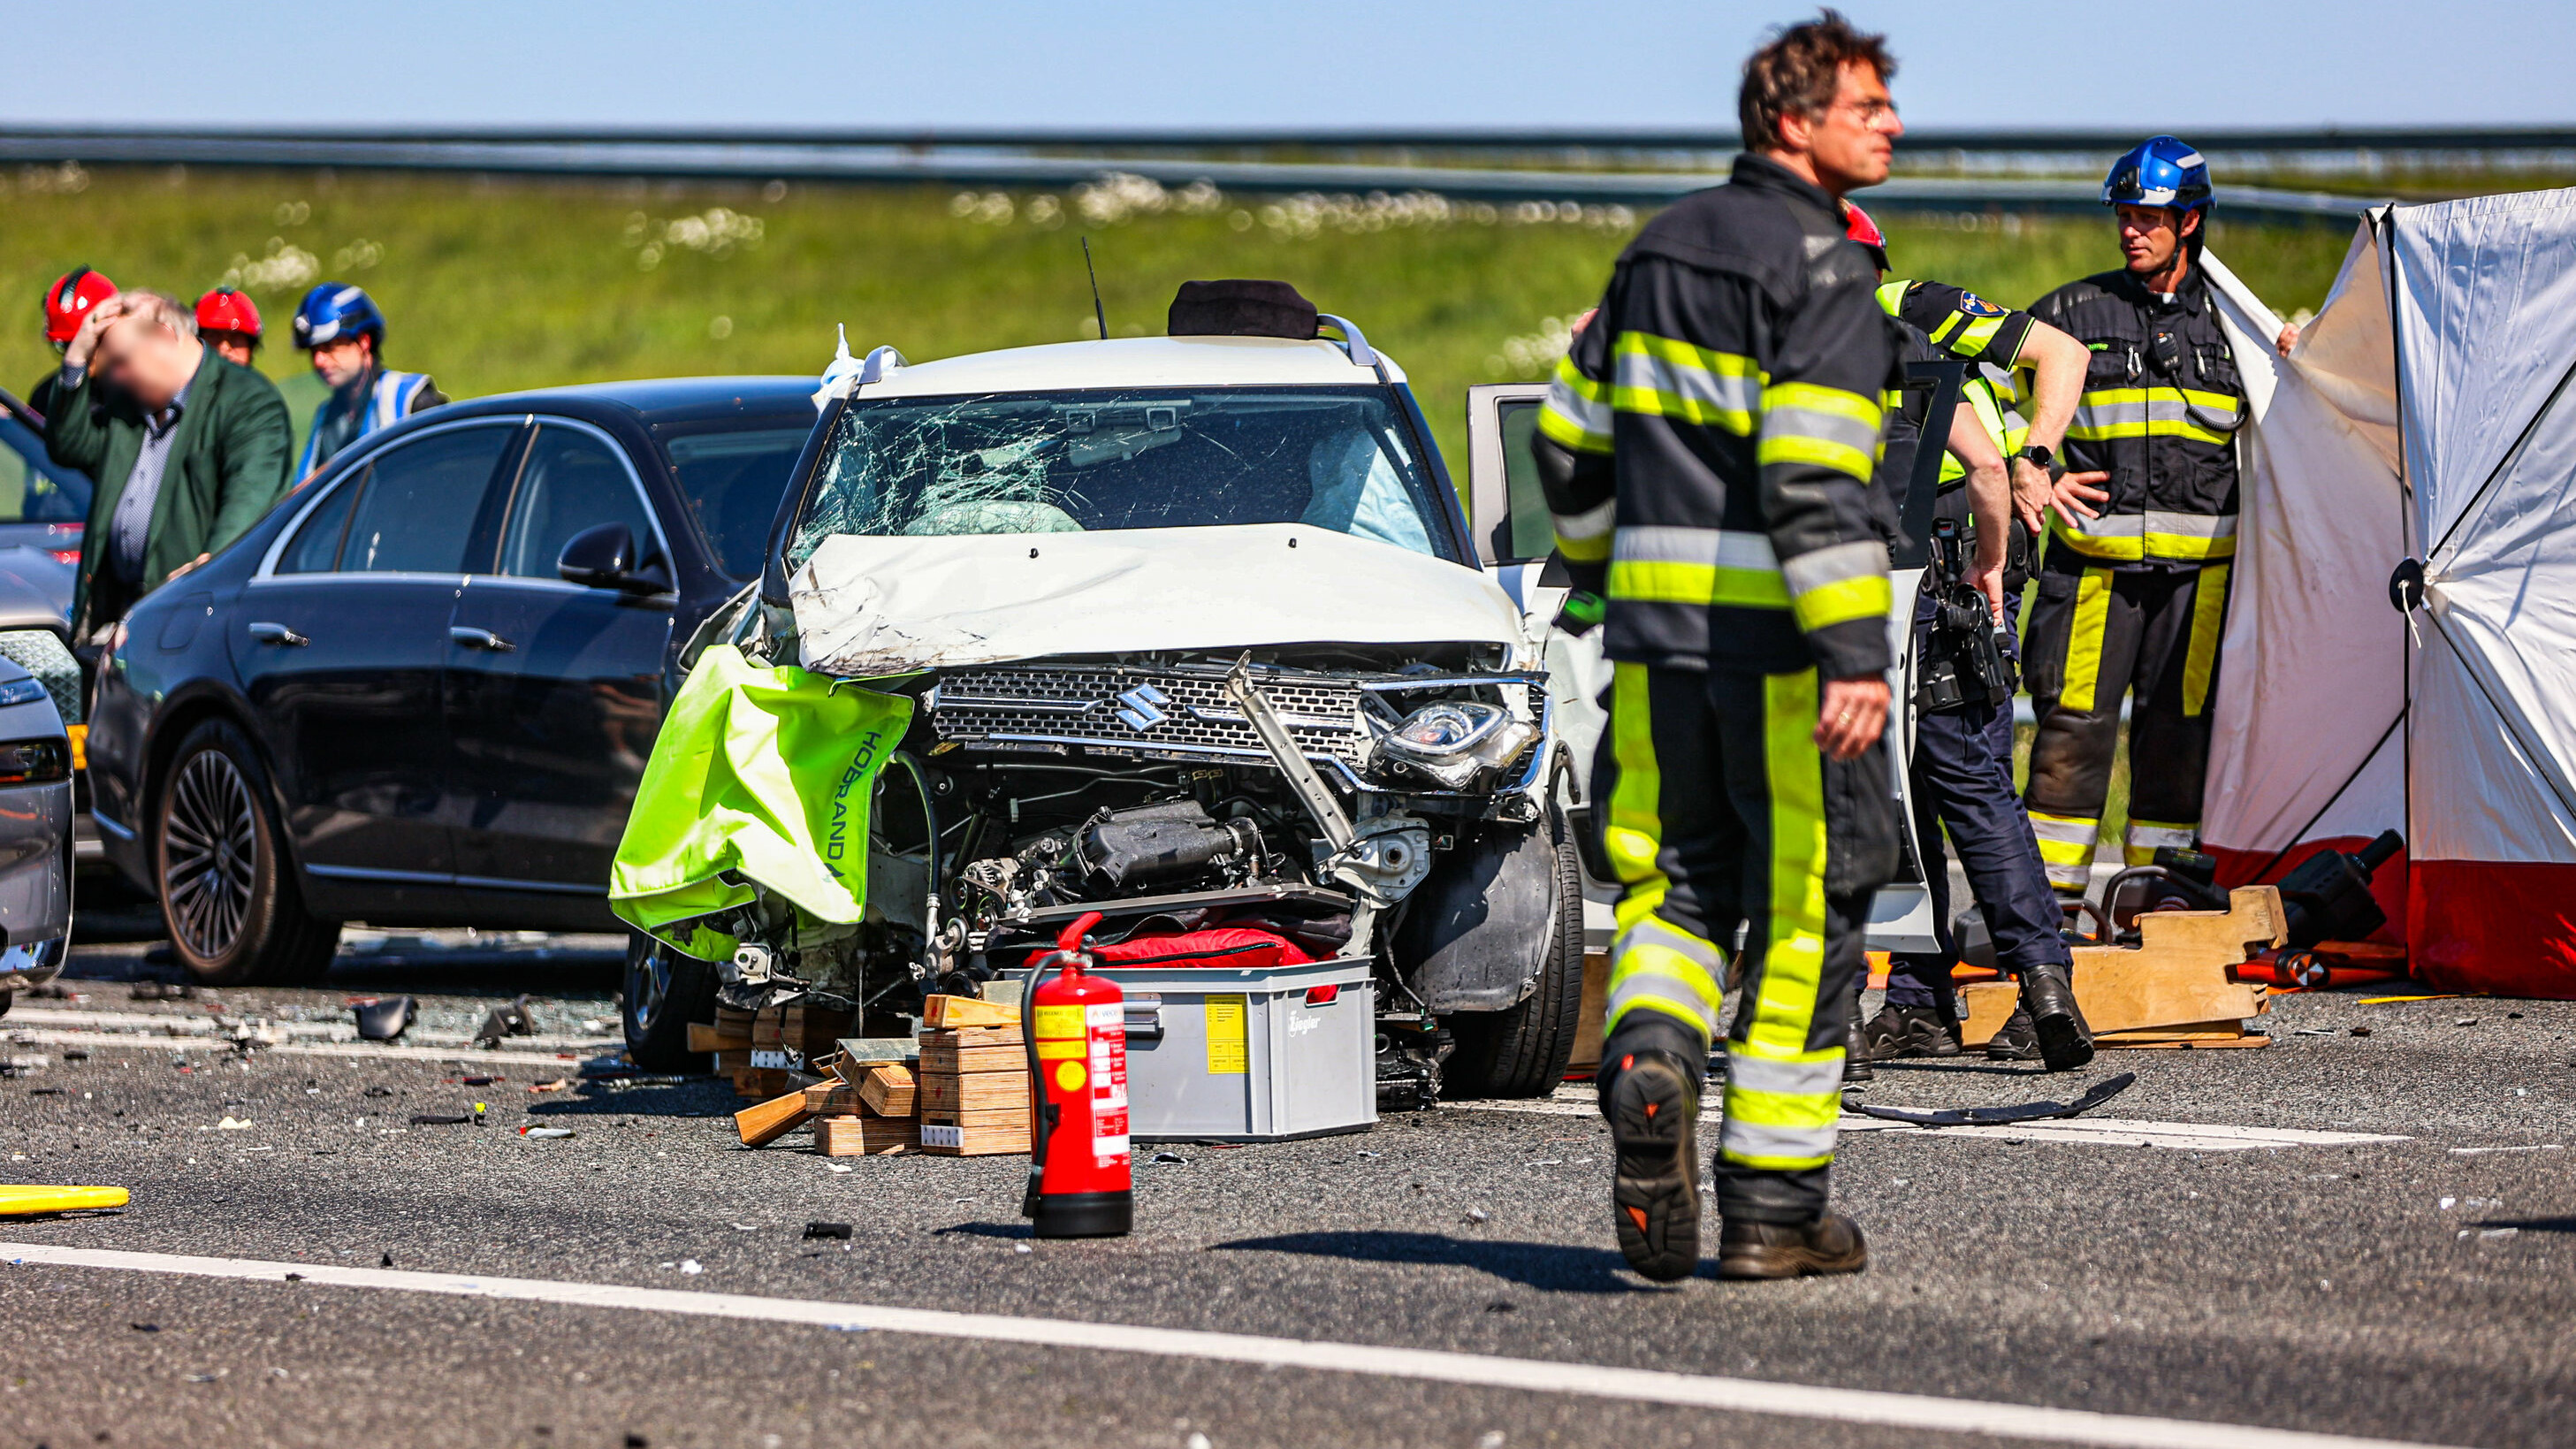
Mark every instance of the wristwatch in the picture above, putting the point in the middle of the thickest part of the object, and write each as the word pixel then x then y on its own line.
pixel 2045 460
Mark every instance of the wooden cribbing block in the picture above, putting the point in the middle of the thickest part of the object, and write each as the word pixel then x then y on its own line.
pixel 974 1092
pixel 955 1060
pixel 973 1036
pixel 2176 978
pixel 710 1037
pixel 766 1028
pixel 832 1099
pixel 773 1119
pixel 964 1011
pixel 864 1136
pixel 974 1141
pixel 980 1117
pixel 888 1090
pixel 733 1059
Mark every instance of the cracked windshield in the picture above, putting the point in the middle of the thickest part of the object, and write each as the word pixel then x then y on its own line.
pixel 1338 458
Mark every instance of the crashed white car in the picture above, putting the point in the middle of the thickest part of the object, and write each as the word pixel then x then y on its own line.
pixel 1196 637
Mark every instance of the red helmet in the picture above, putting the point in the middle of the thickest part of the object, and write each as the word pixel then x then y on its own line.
pixel 69 299
pixel 1858 227
pixel 227 310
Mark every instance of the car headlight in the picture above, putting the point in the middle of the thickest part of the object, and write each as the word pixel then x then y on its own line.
pixel 1453 740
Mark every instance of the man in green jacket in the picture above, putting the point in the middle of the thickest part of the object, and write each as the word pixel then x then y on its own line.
pixel 189 451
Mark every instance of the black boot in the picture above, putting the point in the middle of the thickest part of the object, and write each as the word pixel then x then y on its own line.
pixel 1856 1057
pixel 2048 997
pixel 1650 1079
pixel 1830 1244
pixel 1909 1031
pixel 2014 1041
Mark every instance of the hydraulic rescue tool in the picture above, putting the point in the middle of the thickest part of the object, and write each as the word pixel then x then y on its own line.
pixel 1080 1183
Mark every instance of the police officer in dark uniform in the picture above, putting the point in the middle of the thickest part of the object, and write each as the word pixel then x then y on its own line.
pixel 1960 767
pixel 1708 450
pixel 2132 602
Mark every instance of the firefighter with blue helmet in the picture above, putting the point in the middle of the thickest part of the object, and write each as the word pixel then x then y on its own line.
pixel 341 328
pixel 2132 602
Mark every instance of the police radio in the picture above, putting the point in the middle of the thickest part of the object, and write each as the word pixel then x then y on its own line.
pixel 1967 661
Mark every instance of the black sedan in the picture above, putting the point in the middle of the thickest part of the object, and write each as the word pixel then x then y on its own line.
pixel 421 692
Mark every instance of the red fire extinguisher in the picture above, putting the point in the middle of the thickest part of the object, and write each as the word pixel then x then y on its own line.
pixel 1079 1180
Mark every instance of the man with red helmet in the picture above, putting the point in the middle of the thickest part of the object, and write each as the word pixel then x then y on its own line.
pixel 228 322
pixel 67 304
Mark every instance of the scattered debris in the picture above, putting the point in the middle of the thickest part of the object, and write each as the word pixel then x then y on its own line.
pixel 691 1265
pixel 439 1119
pixel 145 1327
pixel 388 1261
pixel 383 1018
pixel 545 1132
pixel 827 1230
pixel 482 1081
pixel 505 1021
pixel 557 1085
pixel 2361 1031
pixel 379 1091
pixel 2095 1096
pixel 1502 1305
pixel 2479 1151
pixel 1478 1215
pixel 2466 1021
pixel 1173 1158
pixel 2490 1234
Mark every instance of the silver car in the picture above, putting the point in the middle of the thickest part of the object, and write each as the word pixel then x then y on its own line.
pixel 35 834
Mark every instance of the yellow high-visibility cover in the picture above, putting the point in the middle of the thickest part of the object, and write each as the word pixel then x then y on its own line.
pixel 759 774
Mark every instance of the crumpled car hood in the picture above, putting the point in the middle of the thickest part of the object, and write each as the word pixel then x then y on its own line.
pixel 868 607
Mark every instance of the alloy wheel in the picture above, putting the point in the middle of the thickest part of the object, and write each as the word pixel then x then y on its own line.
pixel 209 855
pixel 649 985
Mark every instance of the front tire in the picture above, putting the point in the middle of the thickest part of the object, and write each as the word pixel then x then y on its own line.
pixel 665 991
pixel 1521 1051
pixel 228 893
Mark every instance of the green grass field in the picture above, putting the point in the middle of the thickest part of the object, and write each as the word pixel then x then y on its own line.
pixel 495 285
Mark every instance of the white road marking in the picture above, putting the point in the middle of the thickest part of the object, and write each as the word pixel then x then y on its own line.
pixel 2090 1131
pixel 203 1024
pixel 1751 1396
pixel 109 1040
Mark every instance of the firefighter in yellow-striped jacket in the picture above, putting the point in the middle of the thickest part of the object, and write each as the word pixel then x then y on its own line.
pixel 1707 449
pixel 2132 602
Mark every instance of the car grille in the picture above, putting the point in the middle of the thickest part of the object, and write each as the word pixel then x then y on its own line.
pixel 1162 713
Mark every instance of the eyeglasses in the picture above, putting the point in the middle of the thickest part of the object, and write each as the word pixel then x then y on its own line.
pixel 1871 112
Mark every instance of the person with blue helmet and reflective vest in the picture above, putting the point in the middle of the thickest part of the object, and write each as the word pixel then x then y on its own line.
pixel 1707 449
pixel 339 325
pixel 2132 602
pixel 1960 769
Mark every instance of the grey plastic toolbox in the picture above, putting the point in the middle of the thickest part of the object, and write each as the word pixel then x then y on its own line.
pixel 1250 1056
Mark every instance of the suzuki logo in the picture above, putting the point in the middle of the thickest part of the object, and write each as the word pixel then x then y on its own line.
pixel 1139 710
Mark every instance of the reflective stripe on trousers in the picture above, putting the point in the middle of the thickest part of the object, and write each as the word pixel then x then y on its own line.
pixel 2066 845
pixel 2144 837
pixel 1782 1100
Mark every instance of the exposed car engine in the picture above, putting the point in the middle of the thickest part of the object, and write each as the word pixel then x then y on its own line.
pixel 1306 799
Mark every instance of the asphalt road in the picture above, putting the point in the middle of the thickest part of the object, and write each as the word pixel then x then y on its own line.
pixel 2406 1289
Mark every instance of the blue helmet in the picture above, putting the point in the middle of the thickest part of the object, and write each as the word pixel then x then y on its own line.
pixel 335 310
pixel 2160 172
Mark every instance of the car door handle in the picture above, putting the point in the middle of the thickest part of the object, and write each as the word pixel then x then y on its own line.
pixel 480 639
pixel 278 634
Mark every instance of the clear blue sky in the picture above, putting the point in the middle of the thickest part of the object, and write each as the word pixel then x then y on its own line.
pixel 2171 64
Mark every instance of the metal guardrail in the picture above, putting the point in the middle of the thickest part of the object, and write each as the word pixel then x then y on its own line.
pixel 991 161
pixel 2084 142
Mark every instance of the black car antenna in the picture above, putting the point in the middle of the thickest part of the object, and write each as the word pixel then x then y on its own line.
pixel 1097 315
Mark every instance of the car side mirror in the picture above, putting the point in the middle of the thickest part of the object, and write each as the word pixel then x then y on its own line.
pixel 603 556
